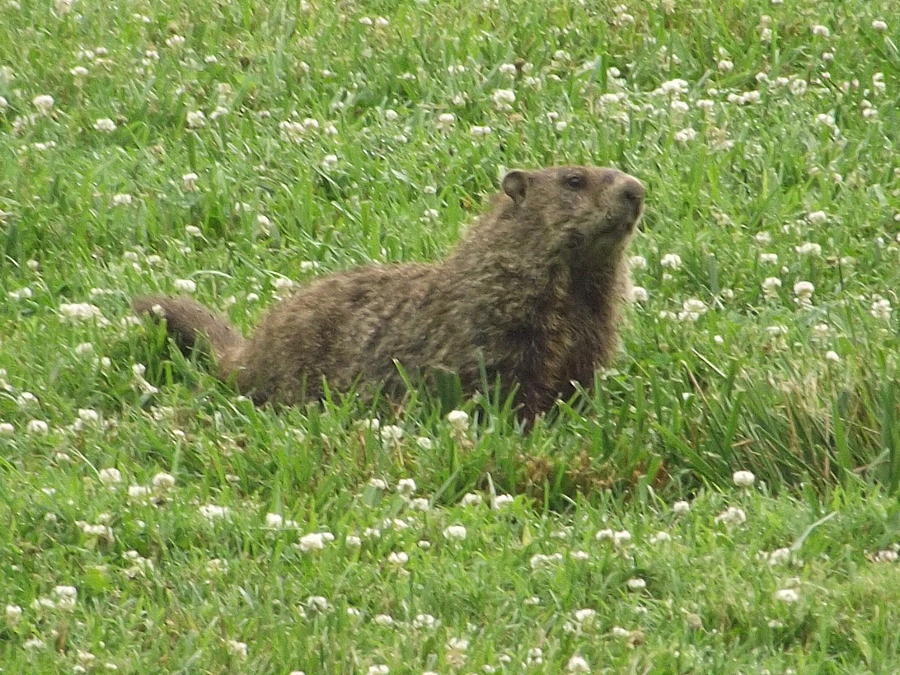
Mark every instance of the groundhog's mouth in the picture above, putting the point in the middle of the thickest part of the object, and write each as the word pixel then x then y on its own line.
pixel 597 232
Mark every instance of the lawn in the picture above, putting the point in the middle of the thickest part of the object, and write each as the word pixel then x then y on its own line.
pixel 723 500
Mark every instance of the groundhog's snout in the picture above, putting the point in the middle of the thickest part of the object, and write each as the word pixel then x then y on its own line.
pixel 626 198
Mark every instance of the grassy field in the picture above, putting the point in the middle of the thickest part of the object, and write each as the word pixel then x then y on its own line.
pixel 152 521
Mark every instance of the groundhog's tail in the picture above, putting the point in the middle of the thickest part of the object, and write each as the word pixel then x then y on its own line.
pixel 188 321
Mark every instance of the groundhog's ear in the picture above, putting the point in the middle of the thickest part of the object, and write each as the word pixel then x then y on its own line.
pixel 515 185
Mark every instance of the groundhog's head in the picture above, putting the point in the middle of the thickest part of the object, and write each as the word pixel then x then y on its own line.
pixel 590 209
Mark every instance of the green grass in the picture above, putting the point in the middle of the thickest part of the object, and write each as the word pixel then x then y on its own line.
pixel 754 383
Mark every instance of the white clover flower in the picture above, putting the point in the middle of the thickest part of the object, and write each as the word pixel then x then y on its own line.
pixel 578 664
pixel 43 102
pixel 33 644
pixel 637 262
pixel 391 435
pixel 139 492
pixel 315 541
pixel 291 131
pixel 809 248
pixel 879 25
pixel 406 486
pixel 318 603
pixel 636 584
pixel 885 556
pixel 832 356
pixel 391 115
pixel 604 534
pixel 426 621
pixel 185 285
pixel 681 507
pixel 282 284
pixel 196 119
pixel 378 669
pixel 189 181
pixel 65 596
pixel 236 648
pixel 621 537
pixel 424 442
pixel 881 309
pixel 743 478
pixel 692 309
pixel 88 415
pixel 101 531
pixel 732 516
pixel 779 556
pixel 471 499
pixel 726 66
pixel 420 504
pixel 383 619
pixel 216 566
pixel 501 501
pixel 579 555
pixel 777 330
pixel 768 258
pixel 329 162
pixel 639 294
pixel 804 290
pixel 585 616
pixel 63 7
pixel 686 135
pixel 122 199
pixel 480 130
pixel 611 98
pixel 22 294
pixel 458 419
pixel 817 217
pixel 37 427
pixel 274 520
pixel 163 481
pixel 80 311
pixel 212 511
pixel 821 331
pixel 26 398
pixel 105 125
pixel 503 97
pixel 671 261
pixel 787 595
pixel 770 286
pixel 398 558
pixel 676 86
pixel 353 541
pixel 110 476
pixel 660 536
pixel 446 120
pixel 175 41
pixel 13 614
pixel 378 484
pixel 455 533
pixel 821 31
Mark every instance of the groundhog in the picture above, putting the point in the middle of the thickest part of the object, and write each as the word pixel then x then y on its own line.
pixel 529 300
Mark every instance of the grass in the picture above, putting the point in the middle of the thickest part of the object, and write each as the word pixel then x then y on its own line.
pixel 321 147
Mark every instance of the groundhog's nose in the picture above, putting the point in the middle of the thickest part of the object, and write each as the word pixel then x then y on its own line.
pixel 630 189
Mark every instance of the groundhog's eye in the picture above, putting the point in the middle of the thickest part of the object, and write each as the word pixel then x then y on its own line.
pixel 575 182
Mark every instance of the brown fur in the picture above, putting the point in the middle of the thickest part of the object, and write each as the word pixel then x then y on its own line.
pixel 531 296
